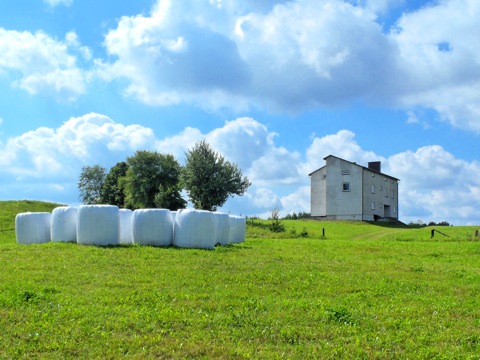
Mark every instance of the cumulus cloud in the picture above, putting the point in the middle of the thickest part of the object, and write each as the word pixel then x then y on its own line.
pixel 436 184
pixel 438 46
pixel 176 55
pixel 251 145
pixel 298 201
pixel 341 144
pixel 44 65
pixel 90 139
pixel 299 54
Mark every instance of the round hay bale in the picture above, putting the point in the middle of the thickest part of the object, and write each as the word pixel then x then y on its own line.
pixel 126 226
pixel 98 225
pixel 222 228
pixel 194 229
pixel 33 227
pixel 64 224
pixel 152 227
pixel 238 228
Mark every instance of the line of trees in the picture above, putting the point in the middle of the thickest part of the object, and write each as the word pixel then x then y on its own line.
pixel 149 179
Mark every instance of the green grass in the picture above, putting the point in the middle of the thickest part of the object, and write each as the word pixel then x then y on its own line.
pixel 365 291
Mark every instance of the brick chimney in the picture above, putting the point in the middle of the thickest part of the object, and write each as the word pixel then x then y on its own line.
pixel 375 166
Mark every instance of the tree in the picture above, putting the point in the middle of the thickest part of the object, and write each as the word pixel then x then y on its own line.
pixel 152 180
pixel 90 184
pixel 169 198
pixel 209 180
pixel 113 187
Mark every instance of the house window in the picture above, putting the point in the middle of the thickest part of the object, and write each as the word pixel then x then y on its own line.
pixel 381 188
pixel 345 186
pixel 345 172
pixel 373 175
pixel 373 189
pixel 386 192
pixel 394 209
pixel 392 194
pixel 373 205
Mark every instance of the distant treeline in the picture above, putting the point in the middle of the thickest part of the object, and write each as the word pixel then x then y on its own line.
pixel 431 223
pixel 295 216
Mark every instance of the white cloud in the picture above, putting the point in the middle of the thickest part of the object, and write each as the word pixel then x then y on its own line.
pixel 90 139
pixel 298 201
pixel 341 144
pixel 299 54
pixel 265 199
pixel 439 52
pixel 54 3
pixel 178 144
pixel 436 184
pixel 42 64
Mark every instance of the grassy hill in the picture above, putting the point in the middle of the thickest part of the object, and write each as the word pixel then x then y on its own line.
pixel 9 209
pixel 363 291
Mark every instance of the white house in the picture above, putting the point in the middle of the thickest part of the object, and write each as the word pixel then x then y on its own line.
pixel 344 190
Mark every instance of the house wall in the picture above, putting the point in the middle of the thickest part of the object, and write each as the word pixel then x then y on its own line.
pixel 318 192
pixel 343 204
pixel 383 201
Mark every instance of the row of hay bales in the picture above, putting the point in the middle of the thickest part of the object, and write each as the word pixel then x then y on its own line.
pixel 106 225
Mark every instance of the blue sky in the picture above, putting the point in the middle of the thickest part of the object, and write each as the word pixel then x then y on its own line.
pixel 273 85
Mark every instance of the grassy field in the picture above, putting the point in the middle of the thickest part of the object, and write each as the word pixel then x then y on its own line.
pixel 363 291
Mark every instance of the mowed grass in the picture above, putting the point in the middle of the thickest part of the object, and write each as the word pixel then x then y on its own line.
pixel 363 291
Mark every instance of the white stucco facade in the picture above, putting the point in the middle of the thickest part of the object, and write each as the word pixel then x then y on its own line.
pixel 343 190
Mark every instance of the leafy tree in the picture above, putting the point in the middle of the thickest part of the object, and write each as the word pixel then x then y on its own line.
pixel 169 198
pixel 90 184
pixel 113 186
pixel 209 179
pixel 152 180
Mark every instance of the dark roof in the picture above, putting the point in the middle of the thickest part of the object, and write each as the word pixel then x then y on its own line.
pixel 354 163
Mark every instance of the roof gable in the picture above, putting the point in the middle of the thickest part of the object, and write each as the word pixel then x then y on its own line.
pixel 355 164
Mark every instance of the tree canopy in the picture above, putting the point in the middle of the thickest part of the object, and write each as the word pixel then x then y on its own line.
pixel 152 180
pixel 90 184
pixel 113 186
pixel 209 179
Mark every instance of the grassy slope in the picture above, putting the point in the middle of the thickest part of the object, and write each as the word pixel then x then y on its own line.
pixel 366 291
pixel 8 210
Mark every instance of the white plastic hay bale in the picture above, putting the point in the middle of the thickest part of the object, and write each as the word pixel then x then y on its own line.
pixel 194 229
pixel 152 227
pixel 33 227
pixel 64 224
pixel 126 226
pixel 238 229
pixel 222 228
pixel 98 225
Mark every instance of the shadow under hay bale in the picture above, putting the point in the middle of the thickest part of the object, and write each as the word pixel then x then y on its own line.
pixel 98 225
pixel 152 227
pixel 33 228
pixel 194 229
pixel 64 224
